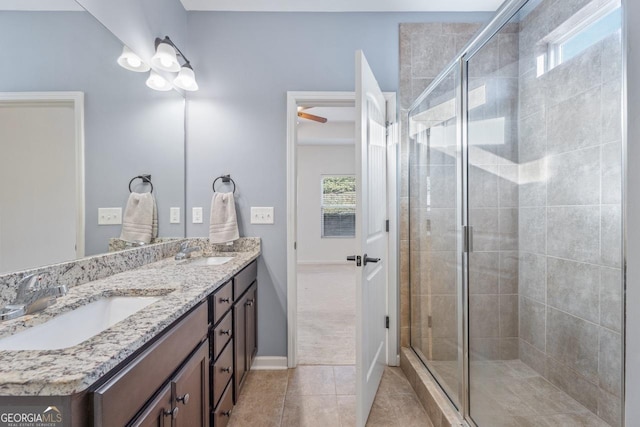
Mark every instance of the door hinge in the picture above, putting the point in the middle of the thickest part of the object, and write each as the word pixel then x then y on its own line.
pixel 429 321
pixel 386 226
pixel 386 322
pixel 295 245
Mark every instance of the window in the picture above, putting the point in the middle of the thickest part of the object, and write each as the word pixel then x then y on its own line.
pixel 338 206
pixel 596 27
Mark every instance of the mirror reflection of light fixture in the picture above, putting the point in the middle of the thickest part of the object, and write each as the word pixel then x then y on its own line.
pixel 132 62
pixel 166 59
pixel 157 82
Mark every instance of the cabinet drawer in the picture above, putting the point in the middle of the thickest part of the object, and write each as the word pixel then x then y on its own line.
pixel 119 399
pixel 223 412
pixel 244 279
pixel 222 301
pixel 222 372
pixel 221 335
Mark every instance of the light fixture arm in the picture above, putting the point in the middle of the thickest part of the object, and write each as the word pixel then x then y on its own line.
pixel 168 41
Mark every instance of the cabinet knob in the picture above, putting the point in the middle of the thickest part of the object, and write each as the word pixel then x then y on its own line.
pixel 227 413
pixel 225 369
pixel 227 332
pixel 227 300
pixel 173 412
pixel 249 303
pixel 184 399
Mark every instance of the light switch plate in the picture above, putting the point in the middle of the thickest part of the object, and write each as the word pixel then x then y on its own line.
pixel 262 215
pixel 174 215
pixel 196 215
pixel 109 216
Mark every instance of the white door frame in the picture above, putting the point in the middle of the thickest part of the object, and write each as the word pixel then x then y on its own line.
pixel 77 98
pixel 295 99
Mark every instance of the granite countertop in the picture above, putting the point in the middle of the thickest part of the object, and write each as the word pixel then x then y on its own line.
pixel 67 371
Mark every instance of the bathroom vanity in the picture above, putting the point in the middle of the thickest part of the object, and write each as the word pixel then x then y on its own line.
pixel 180 361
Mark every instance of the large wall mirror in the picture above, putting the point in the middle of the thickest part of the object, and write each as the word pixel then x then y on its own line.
pixel 75 128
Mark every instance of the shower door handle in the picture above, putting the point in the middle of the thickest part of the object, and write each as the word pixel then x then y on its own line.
pixel 468 238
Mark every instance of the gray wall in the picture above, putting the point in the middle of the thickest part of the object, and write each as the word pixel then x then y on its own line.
pixel 245 63
pixel 129 128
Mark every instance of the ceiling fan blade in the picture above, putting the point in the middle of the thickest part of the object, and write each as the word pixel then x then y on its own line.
pixel 312 117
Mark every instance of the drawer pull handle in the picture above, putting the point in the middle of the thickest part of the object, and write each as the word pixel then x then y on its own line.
pixel 225 369
pixel 227 413
pixel 227 300
pixel 227 332
pixel 184 399
pixel 173 412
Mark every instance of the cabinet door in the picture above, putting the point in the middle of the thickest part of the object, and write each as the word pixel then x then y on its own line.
pixel 239 342
pixel 191 390
pixel 251 325
pixel 158 412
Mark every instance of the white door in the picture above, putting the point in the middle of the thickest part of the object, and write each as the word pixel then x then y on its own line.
pixel 371 237
pixel 38 205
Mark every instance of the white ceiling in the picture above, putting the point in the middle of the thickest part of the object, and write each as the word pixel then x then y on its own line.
pixel 57 5
pixel 344 5
pixel 290 5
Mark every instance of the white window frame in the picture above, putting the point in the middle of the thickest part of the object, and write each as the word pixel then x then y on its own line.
pixel 322 206
pixel 554 47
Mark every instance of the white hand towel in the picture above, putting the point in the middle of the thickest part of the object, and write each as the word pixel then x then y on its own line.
pixel 137 221
pixel 154 224
pixel 223 226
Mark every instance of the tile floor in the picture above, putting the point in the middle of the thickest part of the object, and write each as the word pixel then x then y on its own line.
pixel 326 315
pixel 324 396
pixel 511 394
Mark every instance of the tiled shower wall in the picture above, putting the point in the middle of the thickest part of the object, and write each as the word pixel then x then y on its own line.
pixel 493 198
pixel 425 50
pixel 569 213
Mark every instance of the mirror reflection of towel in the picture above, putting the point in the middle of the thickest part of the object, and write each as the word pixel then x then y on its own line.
pixel 140 219
pixel 223 227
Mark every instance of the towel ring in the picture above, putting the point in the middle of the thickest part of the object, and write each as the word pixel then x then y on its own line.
pixel 224 178
pixel 144 178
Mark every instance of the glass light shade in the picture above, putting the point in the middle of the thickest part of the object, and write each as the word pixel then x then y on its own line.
pixel 165 58
pixel 186 79
pixel 131 61
pixel 157 82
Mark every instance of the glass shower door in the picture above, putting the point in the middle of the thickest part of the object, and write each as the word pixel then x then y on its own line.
pixel 435 218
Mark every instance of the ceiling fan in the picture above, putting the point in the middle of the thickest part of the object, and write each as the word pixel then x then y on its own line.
pixel 308 116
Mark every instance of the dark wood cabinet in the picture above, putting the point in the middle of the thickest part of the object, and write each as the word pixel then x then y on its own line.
pixel 126 393
pixel 190 388
pixel 245 333
pixel 158 412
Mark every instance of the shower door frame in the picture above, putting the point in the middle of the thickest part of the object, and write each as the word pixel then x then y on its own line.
pixel 504 14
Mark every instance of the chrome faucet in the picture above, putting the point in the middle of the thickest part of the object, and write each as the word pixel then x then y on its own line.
pixel 185 251
pixel 32 297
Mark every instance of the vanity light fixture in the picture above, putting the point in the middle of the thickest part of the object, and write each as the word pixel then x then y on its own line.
pixel 166 59
pixel 157 82
pixel 132 62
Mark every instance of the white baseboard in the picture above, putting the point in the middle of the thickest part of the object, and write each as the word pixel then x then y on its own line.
pixel 269 363
pixel 323 262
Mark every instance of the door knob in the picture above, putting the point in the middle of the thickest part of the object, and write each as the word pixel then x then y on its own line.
pixel 355 258
pixel 369 259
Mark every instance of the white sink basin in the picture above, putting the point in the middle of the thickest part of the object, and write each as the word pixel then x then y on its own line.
pixel 212 260
pixel 76 326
